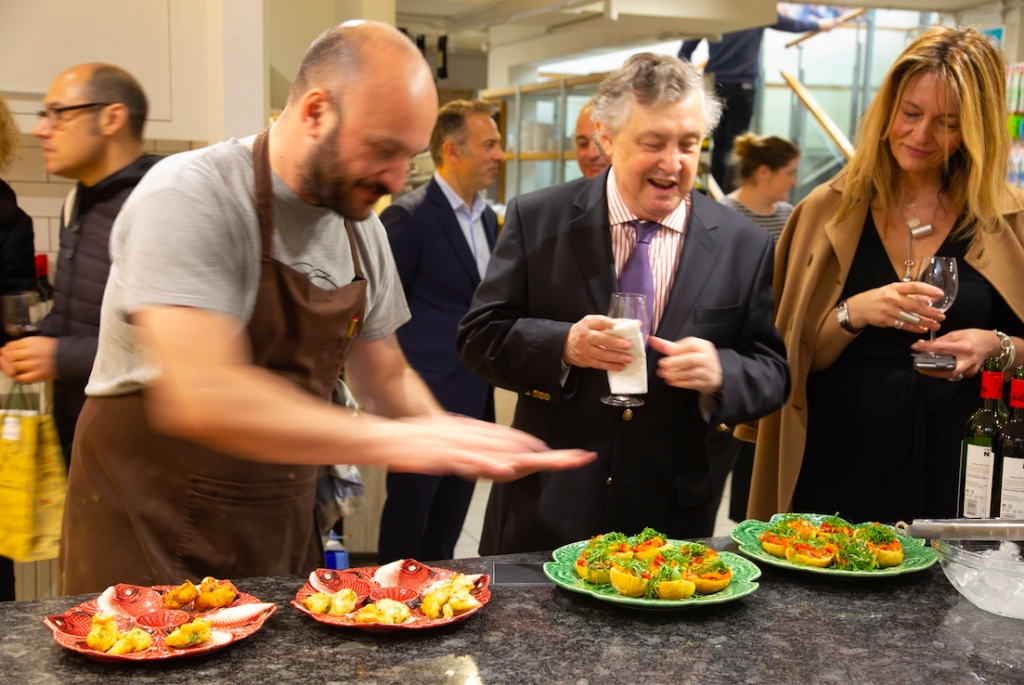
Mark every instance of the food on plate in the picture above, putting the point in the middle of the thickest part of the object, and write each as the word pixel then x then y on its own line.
pixel 853 554
pixel 804 528
pixel 318 603
pixel 105 637
pixel 214 594
pixel 104 632
pixel 711 575
pixel 181 595
pixel 336 604
pixel 835 524
pixel 134 640
pixel 630 577
pixel 384 611
pixel 672 578
pixel 595 561
pixel 189 635
pixel 450 598
pixel 776 538
pixel 648 543
pixel 811 552
pixel 883 543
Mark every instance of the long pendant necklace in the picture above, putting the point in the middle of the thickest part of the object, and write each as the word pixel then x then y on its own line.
pixel 916 230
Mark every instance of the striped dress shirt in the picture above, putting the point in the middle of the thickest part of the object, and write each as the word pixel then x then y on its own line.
pixel 665 249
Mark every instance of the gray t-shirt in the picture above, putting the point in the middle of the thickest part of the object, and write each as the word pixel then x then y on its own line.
pixel 189 235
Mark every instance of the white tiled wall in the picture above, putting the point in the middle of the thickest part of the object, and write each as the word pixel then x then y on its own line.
pixel 42 194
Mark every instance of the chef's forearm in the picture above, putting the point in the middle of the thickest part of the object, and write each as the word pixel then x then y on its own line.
pixel 385 384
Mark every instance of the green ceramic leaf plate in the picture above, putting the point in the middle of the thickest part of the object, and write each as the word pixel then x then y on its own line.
pixel 916 555
pixel 562 572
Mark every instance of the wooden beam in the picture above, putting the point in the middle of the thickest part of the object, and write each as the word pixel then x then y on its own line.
pixel 826 122
pixel 849 16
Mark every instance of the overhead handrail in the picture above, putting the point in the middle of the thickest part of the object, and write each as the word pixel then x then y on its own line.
pixel 826 122
pixel 849 16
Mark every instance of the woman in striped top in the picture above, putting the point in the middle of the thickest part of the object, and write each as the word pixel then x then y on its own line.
pixel 766 166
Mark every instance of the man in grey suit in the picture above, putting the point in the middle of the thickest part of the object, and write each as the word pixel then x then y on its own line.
pixel 537 324
pixel 442 235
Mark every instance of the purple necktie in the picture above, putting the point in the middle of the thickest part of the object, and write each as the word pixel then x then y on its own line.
pixel 636 276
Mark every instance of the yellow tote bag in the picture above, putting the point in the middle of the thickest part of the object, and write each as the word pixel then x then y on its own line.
pixel 32 484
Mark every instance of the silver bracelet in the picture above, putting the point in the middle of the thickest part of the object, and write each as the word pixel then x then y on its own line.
pixel 1007 350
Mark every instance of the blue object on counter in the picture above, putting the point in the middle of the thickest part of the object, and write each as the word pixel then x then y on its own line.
pixel 335 556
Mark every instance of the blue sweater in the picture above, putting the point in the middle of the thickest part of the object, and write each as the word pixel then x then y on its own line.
pixel 737 58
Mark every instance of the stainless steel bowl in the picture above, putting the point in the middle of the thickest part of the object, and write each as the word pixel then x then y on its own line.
pixel 991 583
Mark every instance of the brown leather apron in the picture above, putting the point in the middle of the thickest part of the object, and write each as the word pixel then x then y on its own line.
pixel 149 509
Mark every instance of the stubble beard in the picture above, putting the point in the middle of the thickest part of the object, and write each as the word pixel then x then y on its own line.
pixel 326 181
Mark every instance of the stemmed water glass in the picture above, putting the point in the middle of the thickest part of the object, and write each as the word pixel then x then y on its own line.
pixel 942 273
pixel 625 306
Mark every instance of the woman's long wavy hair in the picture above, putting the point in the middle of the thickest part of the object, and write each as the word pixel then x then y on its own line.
pixel 974 176
pixel 10 137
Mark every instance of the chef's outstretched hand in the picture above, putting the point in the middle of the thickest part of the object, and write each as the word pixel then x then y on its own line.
pixel 690 363
pixel 446 444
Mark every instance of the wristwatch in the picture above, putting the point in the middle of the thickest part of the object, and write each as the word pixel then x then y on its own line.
pixel 843 317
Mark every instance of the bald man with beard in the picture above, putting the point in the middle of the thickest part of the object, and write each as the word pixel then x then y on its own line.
pixel 247 276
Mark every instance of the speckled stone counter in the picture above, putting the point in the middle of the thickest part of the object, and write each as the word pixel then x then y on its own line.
pixel 797 628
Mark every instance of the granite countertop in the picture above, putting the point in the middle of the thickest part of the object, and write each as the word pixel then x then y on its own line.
pixel 797 628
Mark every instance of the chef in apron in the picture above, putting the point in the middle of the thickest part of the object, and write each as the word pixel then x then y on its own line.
pixel 159 491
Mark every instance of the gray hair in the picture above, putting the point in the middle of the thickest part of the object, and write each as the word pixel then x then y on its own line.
pixel 651 81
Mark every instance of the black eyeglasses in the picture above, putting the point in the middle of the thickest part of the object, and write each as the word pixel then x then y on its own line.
pixel 55 115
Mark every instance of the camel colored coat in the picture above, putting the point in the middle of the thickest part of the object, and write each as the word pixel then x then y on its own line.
pixel 812 262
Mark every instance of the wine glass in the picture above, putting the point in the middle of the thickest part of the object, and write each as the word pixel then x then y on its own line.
pixel 19 314
pixel 942 273
pixel 625 307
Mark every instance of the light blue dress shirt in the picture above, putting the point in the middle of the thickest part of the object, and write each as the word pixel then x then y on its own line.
pixel 471 221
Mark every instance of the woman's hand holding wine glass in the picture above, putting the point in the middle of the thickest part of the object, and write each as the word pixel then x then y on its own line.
pixel 28 357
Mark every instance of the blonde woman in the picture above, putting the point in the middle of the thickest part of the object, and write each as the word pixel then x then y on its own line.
pixel 766 170
pixel 863 433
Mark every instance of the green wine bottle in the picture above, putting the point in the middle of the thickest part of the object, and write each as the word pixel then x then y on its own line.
pixel 1008 449
pixel 977 464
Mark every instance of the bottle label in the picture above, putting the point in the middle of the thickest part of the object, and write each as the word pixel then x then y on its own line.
pixel 1012 504
pixel 978 482
pixel 991 385
pixel 1017 393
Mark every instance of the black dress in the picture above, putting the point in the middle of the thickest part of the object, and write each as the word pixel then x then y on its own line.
pixel 883 441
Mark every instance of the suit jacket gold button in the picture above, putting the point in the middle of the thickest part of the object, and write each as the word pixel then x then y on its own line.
pixel 627 415
pixel 608 482
pixel 722 428
pixel 547 396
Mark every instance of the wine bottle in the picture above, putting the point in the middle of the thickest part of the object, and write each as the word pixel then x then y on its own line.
pixel 1008 449
pixel 43 278
pixel 977 465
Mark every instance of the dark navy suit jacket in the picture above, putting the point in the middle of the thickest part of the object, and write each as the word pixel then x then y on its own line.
pixel 439 276
pixel 553 266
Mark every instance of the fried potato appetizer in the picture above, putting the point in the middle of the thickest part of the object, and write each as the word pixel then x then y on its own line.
pixel 189 635
pixel 342 602
pixel 384 611
pixel 450 598
pixel 134 640
pixel 631 579
pixel 104 633
pixel 181 595
pixel 318 603
pixel 214 594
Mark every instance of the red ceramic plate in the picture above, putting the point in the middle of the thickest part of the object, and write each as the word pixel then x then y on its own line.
pixel 144 607
pixel 404 581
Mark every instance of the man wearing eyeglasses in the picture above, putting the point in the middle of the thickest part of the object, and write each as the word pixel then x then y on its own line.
pixel 91 131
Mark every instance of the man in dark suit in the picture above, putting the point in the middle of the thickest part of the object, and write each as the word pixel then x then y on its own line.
pixel 442 235
pixel 537 323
